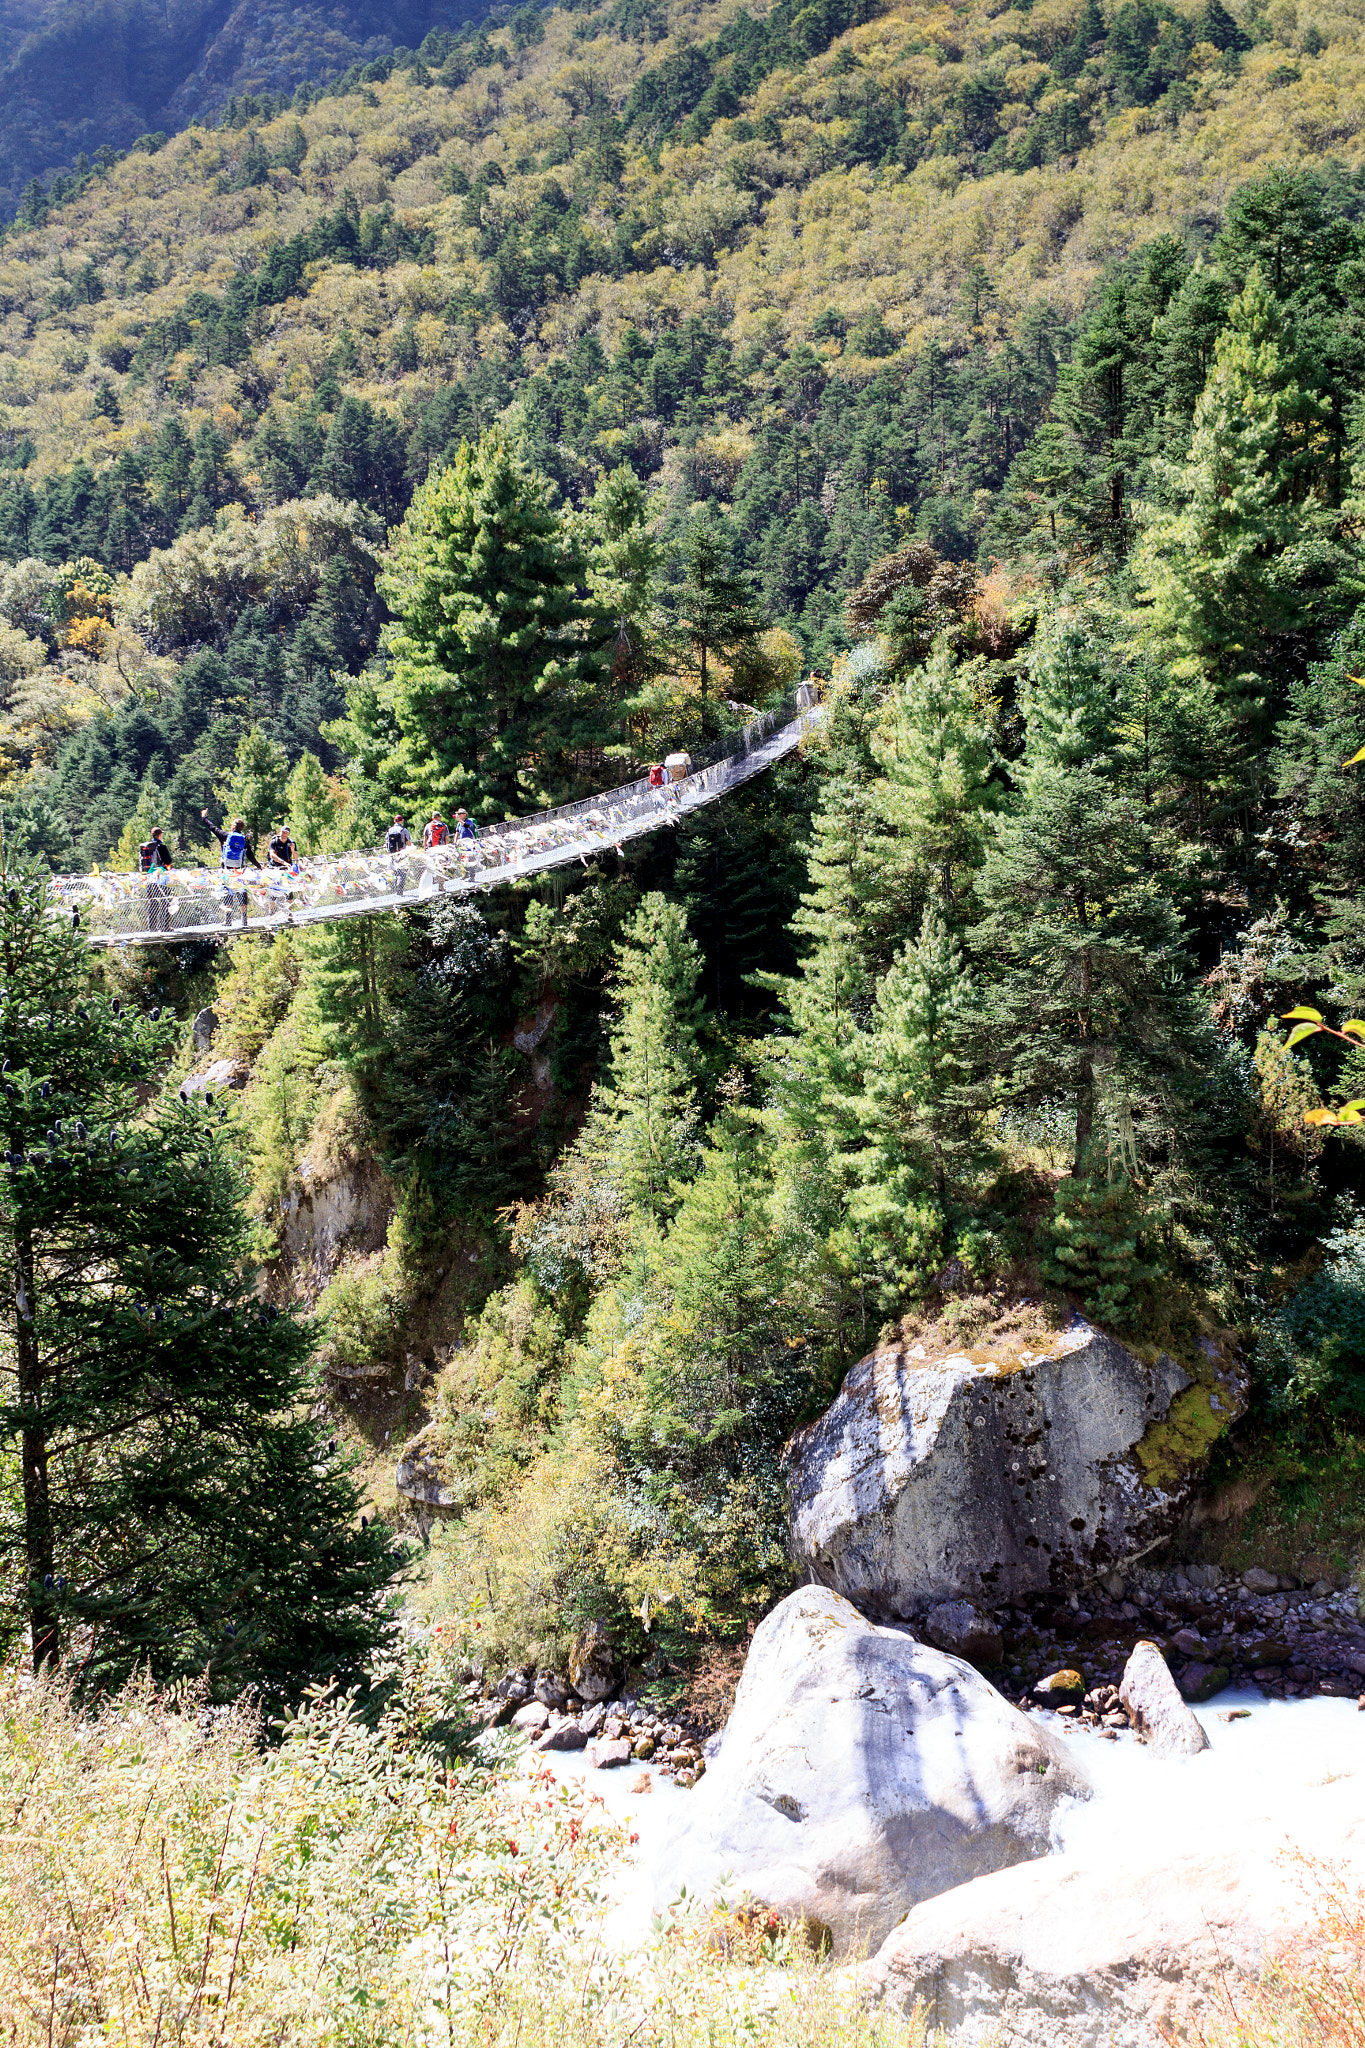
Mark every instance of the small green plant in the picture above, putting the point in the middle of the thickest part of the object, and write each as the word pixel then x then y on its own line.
pixel 1095 1247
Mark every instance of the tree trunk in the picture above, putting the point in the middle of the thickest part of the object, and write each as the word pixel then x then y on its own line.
pixel 43 1634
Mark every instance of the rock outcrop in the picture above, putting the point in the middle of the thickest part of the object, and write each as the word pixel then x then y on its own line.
pixel 418 1475
pixel 1072 1953
pixel 334 1210
pixel 217 1079
pixel 991 1474
pixel 860 1773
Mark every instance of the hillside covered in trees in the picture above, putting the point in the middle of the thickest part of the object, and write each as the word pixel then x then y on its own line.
pixel 475 432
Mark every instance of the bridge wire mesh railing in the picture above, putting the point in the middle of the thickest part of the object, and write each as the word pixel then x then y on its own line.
pixel 118 908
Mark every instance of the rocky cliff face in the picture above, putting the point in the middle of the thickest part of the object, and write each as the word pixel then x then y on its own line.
pixel 343 1208
pixel 998 1472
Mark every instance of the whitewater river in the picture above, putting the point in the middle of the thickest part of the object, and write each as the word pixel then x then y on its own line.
pixel 1258 1769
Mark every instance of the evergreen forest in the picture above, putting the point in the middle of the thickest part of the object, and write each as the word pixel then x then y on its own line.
pixel 472 428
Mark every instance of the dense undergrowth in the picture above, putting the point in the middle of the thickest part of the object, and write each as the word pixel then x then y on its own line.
pixel 166 1877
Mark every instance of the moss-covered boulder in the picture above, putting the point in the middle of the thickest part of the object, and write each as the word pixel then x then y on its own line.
pixel 997 1471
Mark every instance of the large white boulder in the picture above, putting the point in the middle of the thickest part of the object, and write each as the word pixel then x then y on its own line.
pixel 1000 1471
pixel 860 1772
pixel 1125 1951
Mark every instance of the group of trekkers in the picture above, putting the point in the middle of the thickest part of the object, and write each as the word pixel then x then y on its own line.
pixel 435 832
pixel 236 851
pixel 236 854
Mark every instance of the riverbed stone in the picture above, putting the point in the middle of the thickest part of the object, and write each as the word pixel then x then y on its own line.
pixel 861 1772
pixel 1061 1688
pixel 592 1665
pixel 1199 1681
pixel 1158 1713
pixel 996 1472
pixel 1257 1579
pixel 962 1630
pixel 566 1734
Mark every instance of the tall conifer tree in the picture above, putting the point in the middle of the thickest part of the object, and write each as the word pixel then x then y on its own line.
pixel 644 1126
pixel 172 1504
pixel 497 651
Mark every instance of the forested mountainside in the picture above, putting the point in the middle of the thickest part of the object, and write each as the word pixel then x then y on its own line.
pixel 476 434
pixel 821 272
pixel 81 77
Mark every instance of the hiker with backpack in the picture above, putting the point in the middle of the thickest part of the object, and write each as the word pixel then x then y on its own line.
pixel 154 861
pixel 436 832
pixel 396 842
pixel 467 838
pixel 236 853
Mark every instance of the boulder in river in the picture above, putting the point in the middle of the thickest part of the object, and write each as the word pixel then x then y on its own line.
pixel 861 1772
pixel 1155 1707
pixel 1120 1951
pixel 591 1664
pixel 997 1472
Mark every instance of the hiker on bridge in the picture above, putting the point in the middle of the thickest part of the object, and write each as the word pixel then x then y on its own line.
pixel 436 832
pixel 465 834
pixel 154 861
pixel 397 840
pixel 236 853
pixel 282 852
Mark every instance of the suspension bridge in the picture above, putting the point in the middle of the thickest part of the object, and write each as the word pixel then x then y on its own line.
pixel 163 909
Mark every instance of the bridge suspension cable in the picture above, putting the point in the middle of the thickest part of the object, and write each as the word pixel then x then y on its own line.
pixel 171 905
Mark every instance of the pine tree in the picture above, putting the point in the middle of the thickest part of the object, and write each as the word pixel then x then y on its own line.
pixel 724 1261
pixel 256 787
pixel 723 1385
pixel 623 571
pixel 175 1506
pixel 1087 996
pixel 937 792
pixel 816 1063
pixel 311 804
pixel 1095 1247
pixel 495 656
pixel 1231 575
pixel 644 1126
pixel 918 1119
pixel 716 604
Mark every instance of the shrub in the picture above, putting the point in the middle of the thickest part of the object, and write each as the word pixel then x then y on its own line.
pixel 1311 1354
pixel 1095 1247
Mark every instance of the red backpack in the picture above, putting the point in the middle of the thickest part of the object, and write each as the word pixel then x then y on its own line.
pixel 437 834
pixel 656 777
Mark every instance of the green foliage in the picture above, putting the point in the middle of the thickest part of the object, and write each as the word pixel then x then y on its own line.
pixel 1095 1246
pixel 644 1126
pixel 1311 1351
pixel 177 1508
pixel 1240 565
pixel 1092 1004
pixel 919 1120
pixel 256 788
pixel 495 655
pixel 311 806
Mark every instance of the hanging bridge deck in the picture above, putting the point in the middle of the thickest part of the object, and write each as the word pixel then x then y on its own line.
pixel 189 903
